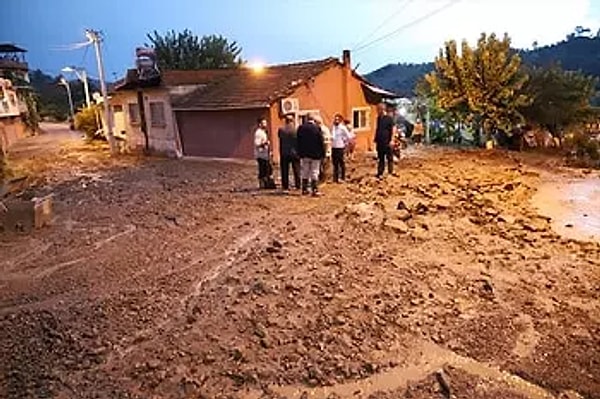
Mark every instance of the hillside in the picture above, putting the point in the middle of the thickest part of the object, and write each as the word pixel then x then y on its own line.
pixel 576 53
pixel 52 97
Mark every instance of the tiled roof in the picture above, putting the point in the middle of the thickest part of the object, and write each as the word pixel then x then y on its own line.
pixel 245 88
pixel 180 78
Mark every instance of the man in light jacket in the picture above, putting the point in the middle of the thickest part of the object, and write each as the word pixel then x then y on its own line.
pixel 340 138
pixel 262 152
pixel 311 149
pixel 327 142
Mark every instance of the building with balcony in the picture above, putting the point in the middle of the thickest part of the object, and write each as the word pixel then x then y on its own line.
pixel 13 65
pixel 14 88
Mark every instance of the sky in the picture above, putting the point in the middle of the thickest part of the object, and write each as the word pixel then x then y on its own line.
pixel 279 31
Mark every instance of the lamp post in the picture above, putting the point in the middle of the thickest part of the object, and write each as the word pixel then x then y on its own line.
pixel 81 75
pixel 65 82
pixel 95 38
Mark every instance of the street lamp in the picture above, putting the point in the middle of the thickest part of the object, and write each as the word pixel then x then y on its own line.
pixel 82 75
pixel 65 82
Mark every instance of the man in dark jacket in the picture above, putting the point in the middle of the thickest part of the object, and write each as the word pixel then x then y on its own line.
pixel 311 150
pixel 288 153
pixel 383 141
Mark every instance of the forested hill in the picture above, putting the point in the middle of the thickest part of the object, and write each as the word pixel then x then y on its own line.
pixel 575 53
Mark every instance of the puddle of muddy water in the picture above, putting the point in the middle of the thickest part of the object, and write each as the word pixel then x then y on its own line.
pixel 573 206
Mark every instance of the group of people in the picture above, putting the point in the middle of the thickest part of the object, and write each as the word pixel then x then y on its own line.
pixel 308 149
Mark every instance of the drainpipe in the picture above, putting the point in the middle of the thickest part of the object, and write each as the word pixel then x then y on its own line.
pixel 347 75
pixel 143 124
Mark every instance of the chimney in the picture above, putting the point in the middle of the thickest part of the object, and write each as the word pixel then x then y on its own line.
pixel 346 59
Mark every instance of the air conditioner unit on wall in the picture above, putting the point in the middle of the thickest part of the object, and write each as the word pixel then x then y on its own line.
pixel 290 106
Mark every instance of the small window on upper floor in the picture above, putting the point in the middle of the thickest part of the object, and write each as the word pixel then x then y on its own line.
pixel 157 114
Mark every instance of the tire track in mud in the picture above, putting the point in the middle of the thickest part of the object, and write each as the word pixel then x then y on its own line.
pixel 222 262
pixel 432 359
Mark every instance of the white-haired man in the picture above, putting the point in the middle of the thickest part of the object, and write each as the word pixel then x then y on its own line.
pixel 325 164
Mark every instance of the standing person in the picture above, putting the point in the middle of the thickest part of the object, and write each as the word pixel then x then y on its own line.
pixel 262 152
pixel 352 143
pixel 288 153
pixel 323 171
pixel 418 133
pixel 339 140
pixel 384 134
pixel 311 150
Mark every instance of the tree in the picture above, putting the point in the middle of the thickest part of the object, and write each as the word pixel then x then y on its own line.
pixel 560 98
pixel 86 120
pixel 184 50
pixel 482 85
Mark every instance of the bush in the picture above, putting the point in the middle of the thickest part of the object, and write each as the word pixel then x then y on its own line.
pixel 583 149
pixel 86 120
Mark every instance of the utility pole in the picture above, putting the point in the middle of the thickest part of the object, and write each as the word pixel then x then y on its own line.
pixel 94 37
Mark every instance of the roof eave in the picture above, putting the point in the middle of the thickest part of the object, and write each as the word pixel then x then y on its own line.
pixel 223 108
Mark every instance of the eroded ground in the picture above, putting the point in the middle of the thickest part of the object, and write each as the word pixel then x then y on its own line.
pixel 174 279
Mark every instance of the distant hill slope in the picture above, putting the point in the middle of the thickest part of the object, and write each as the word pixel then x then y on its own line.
pixel 576 53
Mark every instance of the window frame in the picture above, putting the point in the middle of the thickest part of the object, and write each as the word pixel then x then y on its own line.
pixel 367 125
pixel 303 113
pixel 132 121
pixel 163 114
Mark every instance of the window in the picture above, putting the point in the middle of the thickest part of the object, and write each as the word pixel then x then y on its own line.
pixel 157 114
pixel 303 116
pixel 360 118
pixel 117 108
pixel 134 113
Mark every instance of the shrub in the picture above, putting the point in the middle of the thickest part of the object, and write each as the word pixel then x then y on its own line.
pixel 86 120
pixel 583 149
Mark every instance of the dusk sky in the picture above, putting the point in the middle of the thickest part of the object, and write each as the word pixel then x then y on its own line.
pixel 276 31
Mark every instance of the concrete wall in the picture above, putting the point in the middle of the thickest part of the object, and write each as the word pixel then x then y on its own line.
pixel 333 91
pixel 11 130
pixel 162 139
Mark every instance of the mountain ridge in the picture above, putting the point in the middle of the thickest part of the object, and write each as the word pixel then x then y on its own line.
pixel 576 53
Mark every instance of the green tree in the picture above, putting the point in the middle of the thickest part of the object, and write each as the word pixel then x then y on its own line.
pixel 184 50
pixel 86 120
pixel 560 98
pixel 481 85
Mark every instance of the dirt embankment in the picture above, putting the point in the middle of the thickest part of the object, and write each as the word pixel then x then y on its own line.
pixel 176 280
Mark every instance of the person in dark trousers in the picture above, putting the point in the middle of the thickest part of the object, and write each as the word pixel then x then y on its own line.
pixel 288 153
pixel 262 152
pixel 340 137
pixel 311 150
pixel 384 134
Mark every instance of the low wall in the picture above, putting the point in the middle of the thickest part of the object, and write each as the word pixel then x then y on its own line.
pixel 11 130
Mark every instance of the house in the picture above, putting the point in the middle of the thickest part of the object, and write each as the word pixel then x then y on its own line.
pixel 14 80
pixel 212 113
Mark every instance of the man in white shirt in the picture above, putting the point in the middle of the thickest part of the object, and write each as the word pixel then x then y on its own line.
pixel 262 152
pixel 340 137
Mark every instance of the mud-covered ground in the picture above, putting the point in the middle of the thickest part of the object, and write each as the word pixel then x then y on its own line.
pixel 176 279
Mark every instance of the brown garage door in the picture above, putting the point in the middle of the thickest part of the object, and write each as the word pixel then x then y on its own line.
pixel 221 134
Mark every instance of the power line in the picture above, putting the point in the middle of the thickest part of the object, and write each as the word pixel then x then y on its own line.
pixel 71 47
pixel 403 5
pixel 408 25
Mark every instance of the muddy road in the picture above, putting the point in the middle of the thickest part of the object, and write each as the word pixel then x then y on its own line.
pixel 173 279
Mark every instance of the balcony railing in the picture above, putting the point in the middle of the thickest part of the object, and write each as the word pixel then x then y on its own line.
pixel 13 64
